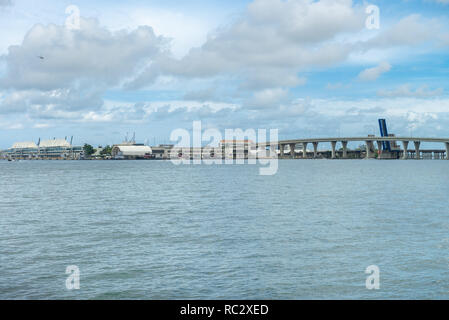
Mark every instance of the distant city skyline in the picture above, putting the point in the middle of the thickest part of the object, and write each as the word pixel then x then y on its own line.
pixel 307 68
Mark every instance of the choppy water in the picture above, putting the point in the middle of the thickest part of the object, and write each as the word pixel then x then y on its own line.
pixel 152 230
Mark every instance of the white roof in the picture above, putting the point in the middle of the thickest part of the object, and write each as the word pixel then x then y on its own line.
pixel 134 150
pixel 54 143
pixel 24 145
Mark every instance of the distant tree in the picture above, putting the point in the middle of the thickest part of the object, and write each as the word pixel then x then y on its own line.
pixel 106 151
pixel 88 149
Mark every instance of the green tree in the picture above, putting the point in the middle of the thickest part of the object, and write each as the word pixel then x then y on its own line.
pixel 88 149
pixel 106 151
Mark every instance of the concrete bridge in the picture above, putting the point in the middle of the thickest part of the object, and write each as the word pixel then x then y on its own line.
pixel 369 142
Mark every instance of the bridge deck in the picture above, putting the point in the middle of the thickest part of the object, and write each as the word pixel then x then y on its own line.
pixel 311 140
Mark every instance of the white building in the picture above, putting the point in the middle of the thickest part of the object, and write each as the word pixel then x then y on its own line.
pixel 47 149
pixel 131 151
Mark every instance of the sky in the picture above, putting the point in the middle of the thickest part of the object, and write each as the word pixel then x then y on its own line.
pixel 307 68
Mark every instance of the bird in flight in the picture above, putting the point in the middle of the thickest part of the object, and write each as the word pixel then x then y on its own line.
pixel 41 57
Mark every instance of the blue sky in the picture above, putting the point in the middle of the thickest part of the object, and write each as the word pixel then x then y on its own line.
pixel 307 68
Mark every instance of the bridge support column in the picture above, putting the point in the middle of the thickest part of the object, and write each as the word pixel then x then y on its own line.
pixel 345 149
pixel 334 153
pixel 369 149
pixel 292 150
pixel 379 149
pixel 405 146
pixel 304 150
pixel 315 149
pixel 417 152
pixel 447 150
pixel 281 151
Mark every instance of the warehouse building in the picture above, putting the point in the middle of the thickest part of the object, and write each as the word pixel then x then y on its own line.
pixel 131 151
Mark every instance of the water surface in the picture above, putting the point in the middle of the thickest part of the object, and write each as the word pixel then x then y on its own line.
pixel 153 230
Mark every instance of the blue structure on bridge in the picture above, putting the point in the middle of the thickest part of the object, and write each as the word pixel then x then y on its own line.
pixel 384 133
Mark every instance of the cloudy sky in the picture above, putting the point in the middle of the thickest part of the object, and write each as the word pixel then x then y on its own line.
pixel 308 68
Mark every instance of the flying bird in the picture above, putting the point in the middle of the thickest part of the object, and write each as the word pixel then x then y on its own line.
pixel 41 57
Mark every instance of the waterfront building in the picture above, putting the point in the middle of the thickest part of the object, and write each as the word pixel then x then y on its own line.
pixel 236 149
pixel 22 150
pixel 57 149
pixel 131 151
pixel 162 151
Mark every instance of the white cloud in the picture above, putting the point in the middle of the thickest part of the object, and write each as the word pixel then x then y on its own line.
pixel 419 119
pixel 14 126
pixel 41 126
pixel 275 41
pixel 76 67
pixel 413 30
pixel 400 106
pixel 201 95
pixel 268 98
pixel 269 45
pixel 44 102
pixel 371 74
pixel 91 55
pixel 184 30
pixel 406 91
pixel 97 117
